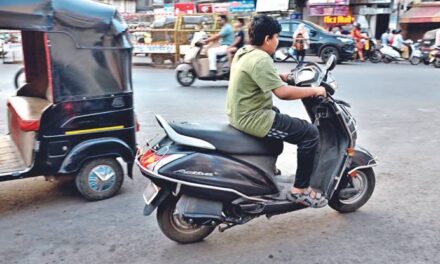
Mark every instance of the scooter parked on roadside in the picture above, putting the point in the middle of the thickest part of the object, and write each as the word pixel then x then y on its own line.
pixel 371 52
pixel 390 54
pixel 196 65
pixel 204 176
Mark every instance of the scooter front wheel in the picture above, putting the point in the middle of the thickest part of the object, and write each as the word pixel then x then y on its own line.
pixel 437 63
pixel 415 60
pixel 386 59
pixel 361 186
pixel 177 229
pixel 186 78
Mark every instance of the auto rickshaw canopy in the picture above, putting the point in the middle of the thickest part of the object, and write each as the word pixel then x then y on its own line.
pixel 72 48
pixel 88 23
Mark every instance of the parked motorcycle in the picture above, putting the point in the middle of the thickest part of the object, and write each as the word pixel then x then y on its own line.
pixel 372 53
pixel 389 54
pixel 196 65
pixel 204 176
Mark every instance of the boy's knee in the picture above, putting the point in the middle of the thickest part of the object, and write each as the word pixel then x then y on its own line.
pixel 311 140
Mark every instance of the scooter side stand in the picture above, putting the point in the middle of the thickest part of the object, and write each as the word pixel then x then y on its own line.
pixel 233 223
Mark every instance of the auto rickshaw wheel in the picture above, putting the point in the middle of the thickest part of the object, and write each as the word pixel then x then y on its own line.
pixel 100 179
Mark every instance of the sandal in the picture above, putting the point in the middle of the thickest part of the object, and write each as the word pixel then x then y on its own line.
pixel 304 198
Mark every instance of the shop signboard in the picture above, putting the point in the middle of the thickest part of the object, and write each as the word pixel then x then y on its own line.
pixel 365 2
pixel 329 10
pixel 272 5
pixel 338 20
pixel 166 11
pixel 365 10
pixel 328 2
pixel 220 8
pixel 239 6
pixel 184 8
pixel 204 8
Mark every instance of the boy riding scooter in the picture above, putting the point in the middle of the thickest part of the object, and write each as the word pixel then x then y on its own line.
pixel 249 104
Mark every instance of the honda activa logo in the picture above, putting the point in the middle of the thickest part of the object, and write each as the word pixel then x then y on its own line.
pixel 198 173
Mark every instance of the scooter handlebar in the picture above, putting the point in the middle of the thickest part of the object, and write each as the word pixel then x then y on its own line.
pixel 328 88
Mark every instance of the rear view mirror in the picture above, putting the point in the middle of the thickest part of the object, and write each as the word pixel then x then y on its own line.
pixel 313 33
pixel 331 63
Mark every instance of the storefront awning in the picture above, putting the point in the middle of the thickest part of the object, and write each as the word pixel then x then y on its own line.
pixel 422 14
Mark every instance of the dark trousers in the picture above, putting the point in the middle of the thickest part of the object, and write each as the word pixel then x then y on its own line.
pixel 305 136
pixel 300 55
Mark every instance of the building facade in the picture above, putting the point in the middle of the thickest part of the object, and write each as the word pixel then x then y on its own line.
pixel 419 17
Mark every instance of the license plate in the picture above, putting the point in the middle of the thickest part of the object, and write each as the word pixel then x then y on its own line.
pixel 150 193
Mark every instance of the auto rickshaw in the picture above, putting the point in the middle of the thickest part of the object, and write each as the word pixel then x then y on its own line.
pixel 74 115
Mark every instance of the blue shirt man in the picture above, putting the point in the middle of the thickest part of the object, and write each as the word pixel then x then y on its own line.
pixel 225 37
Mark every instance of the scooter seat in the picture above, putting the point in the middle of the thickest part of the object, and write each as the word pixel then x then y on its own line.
pixel 229 140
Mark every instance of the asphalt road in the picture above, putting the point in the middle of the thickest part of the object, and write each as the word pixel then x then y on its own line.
pixel 398 114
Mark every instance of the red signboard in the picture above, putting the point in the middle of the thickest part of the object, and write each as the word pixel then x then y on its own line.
pixel 184 8
pixel 204 8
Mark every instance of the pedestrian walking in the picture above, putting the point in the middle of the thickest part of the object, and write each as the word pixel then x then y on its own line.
pixel 300 43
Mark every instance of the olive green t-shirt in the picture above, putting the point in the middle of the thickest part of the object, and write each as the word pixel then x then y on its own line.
pixel 249 101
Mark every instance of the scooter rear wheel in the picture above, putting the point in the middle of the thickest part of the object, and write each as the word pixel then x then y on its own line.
pixel 376 56
pixel 176 228
pixel 364 183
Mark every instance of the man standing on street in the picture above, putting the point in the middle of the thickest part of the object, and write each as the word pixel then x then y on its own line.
pixel 254 79
pixel 226 36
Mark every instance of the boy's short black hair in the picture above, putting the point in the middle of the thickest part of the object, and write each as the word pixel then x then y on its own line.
pixel 262 26
pixel 224 17
pixel 241 20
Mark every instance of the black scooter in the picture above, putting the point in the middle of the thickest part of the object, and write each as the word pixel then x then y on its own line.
pixel 208 175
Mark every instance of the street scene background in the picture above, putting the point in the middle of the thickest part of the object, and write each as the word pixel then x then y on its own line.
pixel 397 112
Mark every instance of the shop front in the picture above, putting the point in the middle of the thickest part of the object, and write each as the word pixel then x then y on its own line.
pixel 419 19
pixel 330 13
pixel 373 15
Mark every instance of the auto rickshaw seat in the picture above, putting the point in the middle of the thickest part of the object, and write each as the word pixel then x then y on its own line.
pixel 27 111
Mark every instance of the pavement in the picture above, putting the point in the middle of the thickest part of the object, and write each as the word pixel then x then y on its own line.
pixel 398 116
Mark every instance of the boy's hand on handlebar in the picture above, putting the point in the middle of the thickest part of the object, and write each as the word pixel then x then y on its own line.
pixel 320 91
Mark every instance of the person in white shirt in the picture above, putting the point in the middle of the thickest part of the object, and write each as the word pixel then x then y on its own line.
pixel 385 38
pixel 398 41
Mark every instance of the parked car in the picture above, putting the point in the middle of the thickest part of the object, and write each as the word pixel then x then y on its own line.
pixel 322 42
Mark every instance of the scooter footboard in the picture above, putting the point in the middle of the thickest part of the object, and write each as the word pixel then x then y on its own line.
pixel 332 156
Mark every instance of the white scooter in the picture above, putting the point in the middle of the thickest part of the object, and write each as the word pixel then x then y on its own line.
pixel 196 64
pixel 390 54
